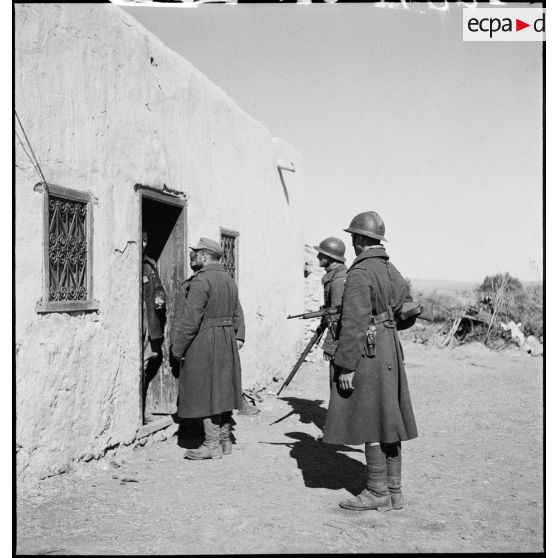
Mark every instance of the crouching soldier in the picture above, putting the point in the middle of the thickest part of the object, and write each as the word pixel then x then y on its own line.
pixel 208 332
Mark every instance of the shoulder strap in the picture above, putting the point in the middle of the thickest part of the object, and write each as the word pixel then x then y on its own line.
pixel 391 296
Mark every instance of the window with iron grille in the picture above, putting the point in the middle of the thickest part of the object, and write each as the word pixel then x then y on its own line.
pixel 229 243
pixel 67 250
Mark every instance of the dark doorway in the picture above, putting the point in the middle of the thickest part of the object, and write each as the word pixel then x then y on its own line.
pixel 164 219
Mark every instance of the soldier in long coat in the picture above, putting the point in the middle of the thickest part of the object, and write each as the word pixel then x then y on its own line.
pixel 370 402
pixel 191 426
pixel 208 332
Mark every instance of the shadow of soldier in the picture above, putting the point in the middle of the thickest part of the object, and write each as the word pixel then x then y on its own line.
pixel 310 412
pixel 151 367
pixel 322 465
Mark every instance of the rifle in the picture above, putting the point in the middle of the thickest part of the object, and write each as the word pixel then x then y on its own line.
pixel 315 340
pixel 317 313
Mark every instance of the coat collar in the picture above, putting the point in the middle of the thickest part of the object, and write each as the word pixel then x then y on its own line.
pixel 332 266
pixel 332 273
pixel 212 267
pixel 377 251
pixel 188 279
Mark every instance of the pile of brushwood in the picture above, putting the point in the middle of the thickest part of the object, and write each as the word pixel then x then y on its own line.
pixel 501 312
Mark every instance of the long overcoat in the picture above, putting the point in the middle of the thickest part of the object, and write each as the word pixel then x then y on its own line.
pixel 379 408
pixel 152 287
pixel 334 283
pixel 204 331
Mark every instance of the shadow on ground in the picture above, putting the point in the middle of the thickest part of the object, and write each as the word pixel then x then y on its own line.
pixel 322 465
pixel 308 411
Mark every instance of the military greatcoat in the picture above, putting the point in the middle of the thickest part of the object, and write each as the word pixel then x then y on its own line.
pixel 379 408
pixel 204 331
pixel 334 283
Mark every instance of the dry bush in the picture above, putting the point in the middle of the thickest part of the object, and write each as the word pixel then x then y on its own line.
pixel 527 307
pixel 519 303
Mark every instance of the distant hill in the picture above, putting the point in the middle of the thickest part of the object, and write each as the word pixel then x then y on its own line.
pixel 426 286
pixel 449 286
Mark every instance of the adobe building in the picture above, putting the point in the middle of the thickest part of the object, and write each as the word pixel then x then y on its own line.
pixel 129 135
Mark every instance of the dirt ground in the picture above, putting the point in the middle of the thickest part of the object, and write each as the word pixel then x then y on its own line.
pixel 473 480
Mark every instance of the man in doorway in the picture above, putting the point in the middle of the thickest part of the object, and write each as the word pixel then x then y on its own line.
pixel 207 333
pixel 153 321
pixel 370 402
pixel 331 257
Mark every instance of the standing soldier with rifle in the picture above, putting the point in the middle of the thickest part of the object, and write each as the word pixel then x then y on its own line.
pixel 331 256
pixel 370 402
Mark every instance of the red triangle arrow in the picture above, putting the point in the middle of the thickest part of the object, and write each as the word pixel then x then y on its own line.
pixel 519 25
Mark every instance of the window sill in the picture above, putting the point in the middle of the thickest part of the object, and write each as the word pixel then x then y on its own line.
pixel 65 306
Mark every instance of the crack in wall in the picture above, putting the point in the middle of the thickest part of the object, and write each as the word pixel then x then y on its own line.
pixel 123 250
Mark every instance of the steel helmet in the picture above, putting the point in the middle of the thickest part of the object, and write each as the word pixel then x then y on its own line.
pixel 368 224
pixel 332 247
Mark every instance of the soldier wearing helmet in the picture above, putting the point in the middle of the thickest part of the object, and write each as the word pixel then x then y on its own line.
pixel 331 256
pixel 370 402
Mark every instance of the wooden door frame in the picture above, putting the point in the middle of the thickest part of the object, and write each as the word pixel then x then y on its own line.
pixel 176 200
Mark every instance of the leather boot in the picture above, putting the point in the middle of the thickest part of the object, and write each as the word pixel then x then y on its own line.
pixel 211 448
pixel 248 409
pixel 367 500
pixel 205 451
pixel 393 460
pixel 225 433
pixel 376 495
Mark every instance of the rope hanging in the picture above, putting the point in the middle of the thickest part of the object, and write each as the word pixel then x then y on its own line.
pixel 30 153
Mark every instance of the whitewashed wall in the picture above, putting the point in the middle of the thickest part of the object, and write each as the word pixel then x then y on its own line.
pixel 106 106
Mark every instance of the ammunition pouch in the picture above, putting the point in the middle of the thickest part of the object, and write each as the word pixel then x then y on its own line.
pixel 408 315
pixel 403 320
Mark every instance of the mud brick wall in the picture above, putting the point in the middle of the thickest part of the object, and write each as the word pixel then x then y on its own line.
pixel 107 106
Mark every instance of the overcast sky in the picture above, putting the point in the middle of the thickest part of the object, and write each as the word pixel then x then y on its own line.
pixel 391 112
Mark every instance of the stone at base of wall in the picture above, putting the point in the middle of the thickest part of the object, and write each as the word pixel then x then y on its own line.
pixel 151 433
pixel 154 426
